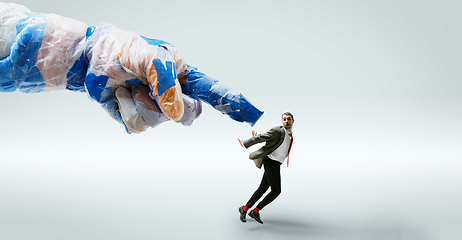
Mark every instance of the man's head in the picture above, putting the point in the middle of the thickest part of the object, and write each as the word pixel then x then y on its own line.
pixel 288 120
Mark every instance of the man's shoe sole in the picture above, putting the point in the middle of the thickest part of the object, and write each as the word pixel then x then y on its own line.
pixel 259 221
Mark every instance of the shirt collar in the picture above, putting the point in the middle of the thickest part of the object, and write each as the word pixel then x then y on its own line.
pixel 286 131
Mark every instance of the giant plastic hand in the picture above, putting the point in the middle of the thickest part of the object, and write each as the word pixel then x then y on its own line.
pixel 141 82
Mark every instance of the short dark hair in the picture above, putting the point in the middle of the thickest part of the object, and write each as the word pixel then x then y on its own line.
pixel 288 114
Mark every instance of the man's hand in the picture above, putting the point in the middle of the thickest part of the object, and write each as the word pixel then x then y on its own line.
pixel 240 141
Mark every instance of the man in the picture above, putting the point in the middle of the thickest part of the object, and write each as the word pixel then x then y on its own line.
pixel 278 143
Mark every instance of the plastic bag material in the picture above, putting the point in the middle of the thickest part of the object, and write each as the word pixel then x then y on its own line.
pixel 192 110
pixel 131 117
pixel 18 69
pixel 47 52
pixel 10 14
pixel 139 109
pixel 146 106
pixel 224 99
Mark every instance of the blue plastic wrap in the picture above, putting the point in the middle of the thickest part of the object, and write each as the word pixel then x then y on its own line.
pixel 226 100
pixel 127 74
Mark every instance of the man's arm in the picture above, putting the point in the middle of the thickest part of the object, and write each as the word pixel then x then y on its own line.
pixel 240 140
pixel 259 138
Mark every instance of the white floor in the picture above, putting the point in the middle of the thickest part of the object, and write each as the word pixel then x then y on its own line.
pixel 194 193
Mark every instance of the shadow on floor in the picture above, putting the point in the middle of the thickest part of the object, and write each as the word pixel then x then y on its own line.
pixel 305 229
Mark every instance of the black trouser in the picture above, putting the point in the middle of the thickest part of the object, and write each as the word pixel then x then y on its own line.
pixel 271 178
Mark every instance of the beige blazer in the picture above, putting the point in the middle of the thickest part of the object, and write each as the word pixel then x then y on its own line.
pixel 273 138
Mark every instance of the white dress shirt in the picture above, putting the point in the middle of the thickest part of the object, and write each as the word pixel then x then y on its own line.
pixel 280 154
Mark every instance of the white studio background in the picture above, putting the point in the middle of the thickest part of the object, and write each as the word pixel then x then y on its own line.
pixel 375 87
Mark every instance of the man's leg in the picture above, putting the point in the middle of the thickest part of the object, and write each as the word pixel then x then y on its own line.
pixel 264 185
pixel 273 177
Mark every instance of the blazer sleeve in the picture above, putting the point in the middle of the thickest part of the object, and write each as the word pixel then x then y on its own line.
pixel 272 134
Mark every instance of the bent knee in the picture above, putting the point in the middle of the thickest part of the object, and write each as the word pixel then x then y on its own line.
pixel 276 190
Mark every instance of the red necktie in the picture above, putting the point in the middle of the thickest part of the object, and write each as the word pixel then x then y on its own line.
pixel 291 141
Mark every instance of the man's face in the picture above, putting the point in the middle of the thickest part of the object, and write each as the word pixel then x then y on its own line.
pixel 287 121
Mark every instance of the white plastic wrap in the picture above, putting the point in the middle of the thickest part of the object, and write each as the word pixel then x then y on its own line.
pixel 10 14
pixel 131 117
pixel 62 44
pixel 134 78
